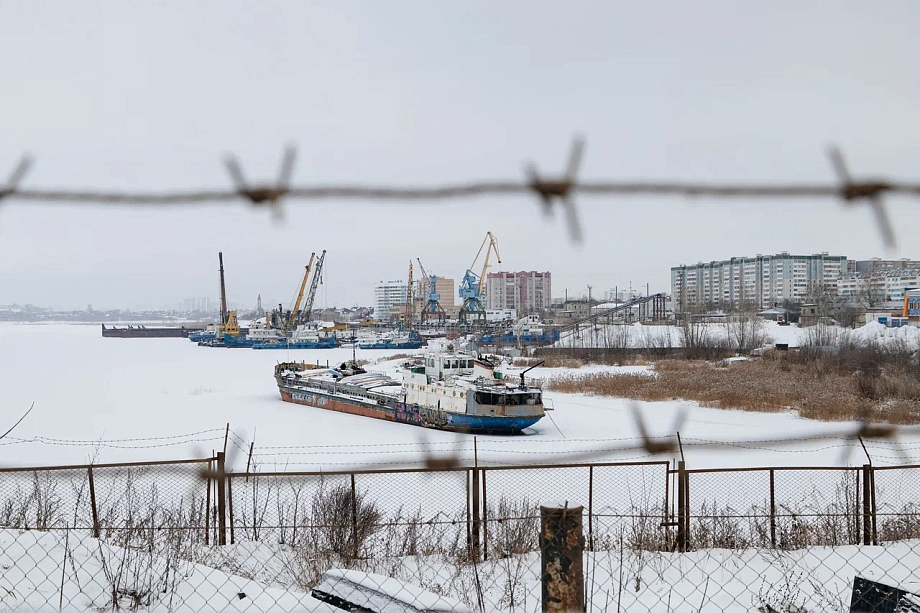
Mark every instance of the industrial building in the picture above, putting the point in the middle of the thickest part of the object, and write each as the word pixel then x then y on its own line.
pixel 762 281
pixel 526 291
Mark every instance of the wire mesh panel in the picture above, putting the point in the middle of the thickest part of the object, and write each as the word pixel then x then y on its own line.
pixel 897 503
pixel 771 539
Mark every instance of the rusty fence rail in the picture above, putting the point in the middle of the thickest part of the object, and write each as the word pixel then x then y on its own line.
pixel 188 535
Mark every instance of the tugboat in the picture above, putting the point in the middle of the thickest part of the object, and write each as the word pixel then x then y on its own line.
pixel 446 391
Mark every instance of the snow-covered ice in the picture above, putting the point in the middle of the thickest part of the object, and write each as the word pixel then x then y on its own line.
pixel 147 399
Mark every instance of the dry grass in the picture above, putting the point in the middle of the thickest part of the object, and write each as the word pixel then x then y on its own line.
pixel 566 362
pixel 816 389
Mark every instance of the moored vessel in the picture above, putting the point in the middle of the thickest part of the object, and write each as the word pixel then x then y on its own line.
pixel 446 391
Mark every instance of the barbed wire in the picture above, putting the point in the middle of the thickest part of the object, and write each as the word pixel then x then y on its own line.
pixel 553 192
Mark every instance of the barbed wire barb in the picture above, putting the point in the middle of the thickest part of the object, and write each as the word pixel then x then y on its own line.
pixel 16 176
pixel 871 191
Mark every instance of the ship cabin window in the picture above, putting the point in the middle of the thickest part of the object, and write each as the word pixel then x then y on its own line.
pixel 506 399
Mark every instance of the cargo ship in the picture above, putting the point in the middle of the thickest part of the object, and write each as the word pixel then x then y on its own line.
pixel 445 391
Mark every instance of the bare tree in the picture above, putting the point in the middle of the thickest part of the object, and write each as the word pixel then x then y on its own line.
pixel 745 329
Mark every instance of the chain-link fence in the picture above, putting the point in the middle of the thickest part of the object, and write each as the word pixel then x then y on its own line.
pixel 187 536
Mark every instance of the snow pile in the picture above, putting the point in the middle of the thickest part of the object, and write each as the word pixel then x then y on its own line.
pixel 874 333
pixel 57 571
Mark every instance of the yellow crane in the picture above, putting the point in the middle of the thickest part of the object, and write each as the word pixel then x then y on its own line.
pixel 295 313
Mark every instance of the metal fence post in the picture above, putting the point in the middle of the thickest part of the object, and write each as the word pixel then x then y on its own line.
pixel 474 545
pixel 221 500
pixel 773 508
pixel 354 518
pixel 683 507
pixel 230 508
pixel 207 506
pixel 873 509
pixel 591 508
pixel 867 505
pixel 562 546
pixel 485 518
pixel 92 502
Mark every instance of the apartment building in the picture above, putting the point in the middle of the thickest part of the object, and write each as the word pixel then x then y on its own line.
pixel 762 281
pixel 526 291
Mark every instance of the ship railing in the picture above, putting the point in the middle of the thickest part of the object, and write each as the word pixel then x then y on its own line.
pixel 341 388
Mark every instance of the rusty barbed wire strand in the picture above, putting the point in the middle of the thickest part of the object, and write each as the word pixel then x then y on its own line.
pixel 550 191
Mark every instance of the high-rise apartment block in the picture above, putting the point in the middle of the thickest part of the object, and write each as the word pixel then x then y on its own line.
pixel 761 281
pixel 525 292
pixel 387 294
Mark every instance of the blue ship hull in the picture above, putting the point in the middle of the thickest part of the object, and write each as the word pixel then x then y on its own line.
pixel 393 409
pixel 413 342
pixel 236 342
pixel 197 337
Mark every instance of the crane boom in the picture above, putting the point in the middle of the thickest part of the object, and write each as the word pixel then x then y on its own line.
pixel 295 312
pixel 493 246
pixel 314 283
pixel 409 299
pixel 223 290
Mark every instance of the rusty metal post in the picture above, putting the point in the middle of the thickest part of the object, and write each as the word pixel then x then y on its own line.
pixel 92 502
pixel 221 500
pixel 682 507
pixel 873 509
pixel 354 518
pixel 207 506
pixel 856 512
pixel 867 505
pixel 230 508
pixel 773 508
pixel 474 546
pixel 562 546
pixel 591 508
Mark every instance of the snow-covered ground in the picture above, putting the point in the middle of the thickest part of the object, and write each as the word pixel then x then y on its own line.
pixel 638 336
pixel 48 571
pixel 143 399
pixel 146 399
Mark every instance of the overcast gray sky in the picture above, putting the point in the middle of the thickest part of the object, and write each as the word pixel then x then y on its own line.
pixel 151 95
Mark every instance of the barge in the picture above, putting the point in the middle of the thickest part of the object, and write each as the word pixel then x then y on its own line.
pixel 455 392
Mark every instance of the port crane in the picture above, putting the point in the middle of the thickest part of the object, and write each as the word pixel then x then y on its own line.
pixel 472 284
pixel 223 290
pixel 228 322
pixel 314 284
pixel 289 320
pixel 433 308
pixel 410 299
